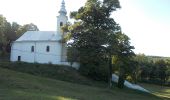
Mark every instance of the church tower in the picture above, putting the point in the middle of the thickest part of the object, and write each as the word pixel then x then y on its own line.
pixel 62 20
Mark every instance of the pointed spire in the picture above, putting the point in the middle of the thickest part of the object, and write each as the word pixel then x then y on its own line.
pixel 63 9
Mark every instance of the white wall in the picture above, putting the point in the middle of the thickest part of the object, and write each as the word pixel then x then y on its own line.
pixel 61 18
pixel 23 50
pixel 40 55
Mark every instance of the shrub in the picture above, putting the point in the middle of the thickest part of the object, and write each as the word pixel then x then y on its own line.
pixel 96 72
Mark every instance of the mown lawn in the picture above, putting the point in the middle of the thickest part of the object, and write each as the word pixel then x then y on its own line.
pixel 21 86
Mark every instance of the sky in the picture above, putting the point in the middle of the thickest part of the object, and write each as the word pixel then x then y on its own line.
pixel 146 22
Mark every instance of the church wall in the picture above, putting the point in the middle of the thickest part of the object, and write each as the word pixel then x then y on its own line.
pixel 54 54
pixel 40 54
pixel 23 50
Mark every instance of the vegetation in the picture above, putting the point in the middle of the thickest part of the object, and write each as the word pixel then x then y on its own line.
pixel 96 37
pixel 152 69
pixel 160 91
pixel 123 60
pixel 10 32
pixel 64 73
pixel 21 86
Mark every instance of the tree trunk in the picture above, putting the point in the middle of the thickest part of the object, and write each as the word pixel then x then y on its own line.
pixel 110 72
pixel 121 81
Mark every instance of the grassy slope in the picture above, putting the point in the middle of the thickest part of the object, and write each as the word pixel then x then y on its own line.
pixel 64 73
pixel 161 91
pixel 20 86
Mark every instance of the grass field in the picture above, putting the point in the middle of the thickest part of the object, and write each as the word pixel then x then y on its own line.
pixel 160 91
pixel 15 85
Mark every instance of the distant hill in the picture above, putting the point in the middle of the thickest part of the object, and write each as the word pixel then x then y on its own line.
pixel 156 58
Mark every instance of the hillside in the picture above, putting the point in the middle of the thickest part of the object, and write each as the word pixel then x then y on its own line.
pixel 161 91
pixel 21 86
pixel 156 58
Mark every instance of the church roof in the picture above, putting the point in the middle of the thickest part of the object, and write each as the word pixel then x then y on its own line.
pixel 39 36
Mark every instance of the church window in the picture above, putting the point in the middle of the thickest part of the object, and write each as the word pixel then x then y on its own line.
pixel 48 48
pixel 61 23
pixel 32 49
pixel 19 58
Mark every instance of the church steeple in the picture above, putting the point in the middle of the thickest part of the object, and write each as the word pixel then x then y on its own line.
pixel 61 21
pixel 63 9
pixel 61 18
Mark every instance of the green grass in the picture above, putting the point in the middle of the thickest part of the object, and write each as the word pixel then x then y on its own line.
pixel 64 73
pixel 160 91
pixel 15 85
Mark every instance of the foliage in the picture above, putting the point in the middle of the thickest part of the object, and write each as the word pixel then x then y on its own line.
pixel 153 69
pixel 90 33
pixel 3 38
pixel 98 73
pixel 26 27
pixel 124 57
pixel 10 32
pixel 72 55
pixel 96 37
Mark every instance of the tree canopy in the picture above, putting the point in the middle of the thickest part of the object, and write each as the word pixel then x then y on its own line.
pixel 10 32
pixel 96 37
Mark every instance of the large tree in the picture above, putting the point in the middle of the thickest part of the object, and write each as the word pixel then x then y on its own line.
pixel 91 34
pixel 96 37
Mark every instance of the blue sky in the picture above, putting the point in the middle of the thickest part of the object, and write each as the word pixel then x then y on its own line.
pixel 146 22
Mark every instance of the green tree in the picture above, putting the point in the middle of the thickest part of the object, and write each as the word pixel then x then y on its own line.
pixel 3 38
pixel 162 68
pixel 10 32
pixel 14 27
pixel 93 36
pixel 97 37
pixel 27 27
pixel 125 57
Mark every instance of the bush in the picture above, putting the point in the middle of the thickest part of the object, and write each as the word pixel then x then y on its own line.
pixel 96 72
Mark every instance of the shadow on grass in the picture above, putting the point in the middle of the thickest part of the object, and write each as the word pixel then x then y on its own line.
pixel 161 91
pixel 32 95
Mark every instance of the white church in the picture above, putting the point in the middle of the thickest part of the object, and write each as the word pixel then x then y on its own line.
pixel 43 46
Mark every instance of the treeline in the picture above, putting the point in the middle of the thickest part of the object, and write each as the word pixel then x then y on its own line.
pixel 10 32
pixel 154 70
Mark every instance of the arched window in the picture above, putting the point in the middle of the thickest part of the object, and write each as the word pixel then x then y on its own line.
pixel 48 49
pixel 61 23
pixel 32 48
